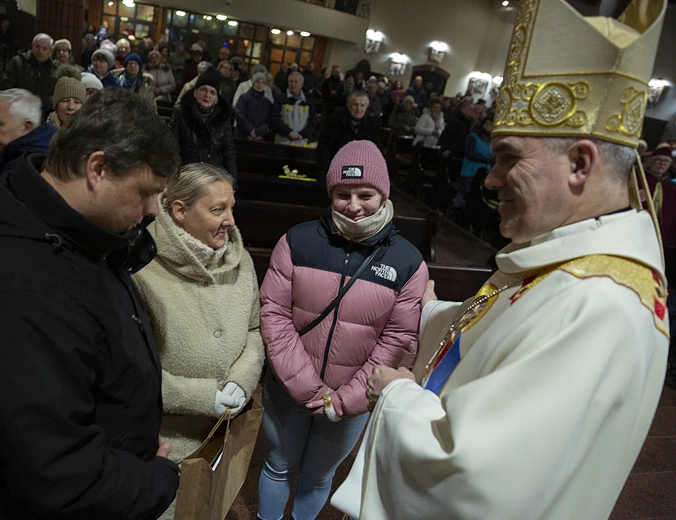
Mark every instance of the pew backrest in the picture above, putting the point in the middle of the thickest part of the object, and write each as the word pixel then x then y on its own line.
pixel 270 159
pixel 452 282
pixel 262 224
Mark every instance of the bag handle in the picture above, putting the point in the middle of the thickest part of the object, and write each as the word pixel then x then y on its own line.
pixel 227 415
pixel 341 293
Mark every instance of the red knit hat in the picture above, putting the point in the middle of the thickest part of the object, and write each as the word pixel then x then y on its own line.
pixel 663 151
pixel 359 162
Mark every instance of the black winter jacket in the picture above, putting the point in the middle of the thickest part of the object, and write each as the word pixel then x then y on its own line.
pixel 199 142
pixel 80 377
pixel 23 72
pixel 35 141
pixel 337 131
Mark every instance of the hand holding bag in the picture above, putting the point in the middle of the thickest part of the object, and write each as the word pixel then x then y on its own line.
pixel 212 476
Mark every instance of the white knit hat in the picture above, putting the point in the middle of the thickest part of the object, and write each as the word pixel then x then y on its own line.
pixel 91 81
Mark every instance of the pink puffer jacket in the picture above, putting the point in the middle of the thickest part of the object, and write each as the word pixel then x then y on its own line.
pixel 376 322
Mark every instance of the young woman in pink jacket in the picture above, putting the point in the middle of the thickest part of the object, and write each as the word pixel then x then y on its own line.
pixel 341 295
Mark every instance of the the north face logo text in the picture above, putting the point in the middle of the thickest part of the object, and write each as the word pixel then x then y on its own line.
pixel 385 271
pixel 353 172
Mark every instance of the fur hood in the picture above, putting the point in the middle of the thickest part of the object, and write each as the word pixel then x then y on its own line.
pixel 189 111
pixel 147 79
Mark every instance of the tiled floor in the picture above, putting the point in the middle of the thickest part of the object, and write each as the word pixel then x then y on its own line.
pixel 649 494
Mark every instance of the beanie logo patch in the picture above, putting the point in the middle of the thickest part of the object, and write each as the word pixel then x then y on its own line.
pixel 352 172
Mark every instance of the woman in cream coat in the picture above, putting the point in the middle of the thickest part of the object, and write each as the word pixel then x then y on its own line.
pixel 202 295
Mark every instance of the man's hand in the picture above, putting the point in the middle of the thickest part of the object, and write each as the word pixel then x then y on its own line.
pixel 295 136
pixel 446 153
pixel 380 378
pixel 428 295
pixel 253 133
pixel 163 450
pixel 157 91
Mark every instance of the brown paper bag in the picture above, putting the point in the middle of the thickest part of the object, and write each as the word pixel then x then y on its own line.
pixel 206 493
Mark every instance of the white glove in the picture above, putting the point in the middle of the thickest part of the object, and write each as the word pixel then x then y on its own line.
pixel 232 396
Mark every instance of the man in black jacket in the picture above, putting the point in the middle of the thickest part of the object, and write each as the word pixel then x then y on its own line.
pixel 33 70
pixel 346 125
pixel 80 377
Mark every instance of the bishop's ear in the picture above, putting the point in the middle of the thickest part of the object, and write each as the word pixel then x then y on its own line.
pixel 583 157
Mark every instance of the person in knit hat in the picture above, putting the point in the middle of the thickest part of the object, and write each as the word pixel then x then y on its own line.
pixel 69 96
pixel 320 351
pixel 202 127
pixel 245 86
pixel 162 76
pixel 102 66
pixel 132 78
pixel 252 111
pixel 91 83
pixel 62 53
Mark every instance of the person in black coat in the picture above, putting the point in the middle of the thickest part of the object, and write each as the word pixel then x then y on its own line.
pixel 345 126
pixel 80 376
pixel 452 151
pixel 201 126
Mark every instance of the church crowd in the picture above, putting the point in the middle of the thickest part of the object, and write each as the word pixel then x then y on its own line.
pixel 133 318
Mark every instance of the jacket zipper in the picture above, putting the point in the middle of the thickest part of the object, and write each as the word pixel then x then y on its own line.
pixel 335 318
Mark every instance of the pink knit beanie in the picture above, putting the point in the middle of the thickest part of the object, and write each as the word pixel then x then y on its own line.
pixel 359 162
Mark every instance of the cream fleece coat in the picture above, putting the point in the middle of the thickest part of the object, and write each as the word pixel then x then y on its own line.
pixel 206 323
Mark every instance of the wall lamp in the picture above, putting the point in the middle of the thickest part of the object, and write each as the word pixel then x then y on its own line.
pixel 373 41
pixel 437 51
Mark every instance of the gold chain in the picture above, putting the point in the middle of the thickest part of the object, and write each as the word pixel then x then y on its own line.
pixel 475 303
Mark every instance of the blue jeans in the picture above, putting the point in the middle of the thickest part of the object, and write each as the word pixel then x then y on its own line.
pixel 296 440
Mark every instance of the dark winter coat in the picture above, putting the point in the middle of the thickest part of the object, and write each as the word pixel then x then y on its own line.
pixel 401 118
pixel 310 81
pixel 455 134
pixel 333 91
pixel 338 130
pixel 23 72
pixel 209 142
pixel 227 89
pixel 419 96
pixel 79 373
pixel 36 141
pixel 253 113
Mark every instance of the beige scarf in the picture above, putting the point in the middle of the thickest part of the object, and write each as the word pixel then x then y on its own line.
pixel 366 227
pixel 206 255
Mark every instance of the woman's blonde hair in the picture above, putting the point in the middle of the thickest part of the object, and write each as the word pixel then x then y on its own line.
pixel 191 183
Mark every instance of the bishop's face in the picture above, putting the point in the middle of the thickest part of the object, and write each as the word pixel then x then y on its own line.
pixel 532 184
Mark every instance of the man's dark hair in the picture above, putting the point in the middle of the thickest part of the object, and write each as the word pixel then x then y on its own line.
pixel 123 126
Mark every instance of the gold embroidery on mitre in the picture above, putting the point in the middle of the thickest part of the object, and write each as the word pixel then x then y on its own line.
pixel 640 279
pixel 630 121
pixel 605 98
pixel 544 104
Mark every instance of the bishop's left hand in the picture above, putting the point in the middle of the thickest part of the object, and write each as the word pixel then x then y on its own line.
pixel 380 378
